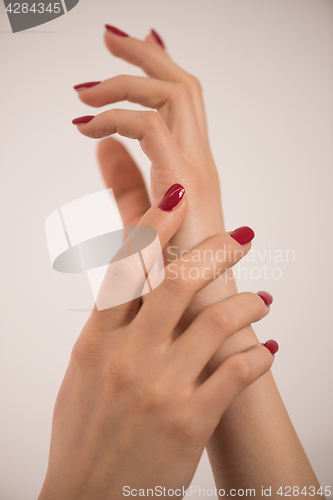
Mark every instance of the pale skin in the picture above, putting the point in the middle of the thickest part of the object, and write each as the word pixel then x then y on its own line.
pixel 253 444
pixel 129 411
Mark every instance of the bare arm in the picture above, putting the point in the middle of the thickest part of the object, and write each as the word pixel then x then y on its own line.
pixel 255 444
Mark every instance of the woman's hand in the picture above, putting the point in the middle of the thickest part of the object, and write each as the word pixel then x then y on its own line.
pixel 130 411
pixel 256 428
pixel 174 139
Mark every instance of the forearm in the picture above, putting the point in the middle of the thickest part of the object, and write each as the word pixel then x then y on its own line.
pixel 255 444
pixel 175 141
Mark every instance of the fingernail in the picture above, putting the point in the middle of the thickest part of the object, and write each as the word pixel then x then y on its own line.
pixel 272 346
pixel 115 31
pixel 172 197
pixel 266 297
pixel 82 119
pixel 86 85
pixel 243 235
pixel 158 39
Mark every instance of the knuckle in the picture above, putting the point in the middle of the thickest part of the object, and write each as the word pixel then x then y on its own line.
pixel 174 282
pixel 121 268
pixel 77 354
pixel 194 84
pixel 240 369
pixel 181 92
pixel 153 397
pixel 151 120
pixel 179 426
pixel 218 319
pixel 122 79
pixel 83 352
pixel 256 305
pixel 119 372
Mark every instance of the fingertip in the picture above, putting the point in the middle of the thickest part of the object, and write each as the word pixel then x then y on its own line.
pixel 272 346
pixel 150 39
pixel 85 86
pixel 266 297
pixel 243 235
pixel 115 31
pixel 157 38
pixel 172 198
pixel 247 247
pixel 82 120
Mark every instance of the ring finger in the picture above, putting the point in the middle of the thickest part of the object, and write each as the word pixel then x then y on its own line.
pixel 211 328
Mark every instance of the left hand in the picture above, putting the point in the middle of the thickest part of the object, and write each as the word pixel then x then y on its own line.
pixel 130 410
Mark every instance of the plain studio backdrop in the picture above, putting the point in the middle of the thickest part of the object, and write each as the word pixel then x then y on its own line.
pixel 266 68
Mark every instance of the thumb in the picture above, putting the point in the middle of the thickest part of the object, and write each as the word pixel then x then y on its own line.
pixel 138 266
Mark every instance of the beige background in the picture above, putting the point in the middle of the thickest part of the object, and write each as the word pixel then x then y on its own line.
pixel 266 67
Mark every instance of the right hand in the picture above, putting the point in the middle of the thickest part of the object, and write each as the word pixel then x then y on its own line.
pixel 174 138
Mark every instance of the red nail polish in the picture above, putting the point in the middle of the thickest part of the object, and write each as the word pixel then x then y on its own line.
pixel 272 346
pixel 266 297
pixel 158 39
pixel 243 235
pixel 172 197
pixel 86 85
pixel 82 119
pixel 115 31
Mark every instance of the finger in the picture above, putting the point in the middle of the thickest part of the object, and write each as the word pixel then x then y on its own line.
pixel 171 100
pixel 120 173
pixel 150 129
pixel 155 39
pixel 148 92
pixel 210 329
pixel 126 276
pixel 148 56
pixel 224 385
pixel 157 64
pixel 184 278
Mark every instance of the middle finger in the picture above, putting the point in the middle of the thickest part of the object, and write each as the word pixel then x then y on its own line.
pixel 172 100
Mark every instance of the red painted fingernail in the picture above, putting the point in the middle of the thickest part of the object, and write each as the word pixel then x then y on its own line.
pixel 86 85
pixel 82 119
pixel 115 30
pixel 272 346
pixel 172 197
pixel 266 297
pixel 243 235
pixel 158 39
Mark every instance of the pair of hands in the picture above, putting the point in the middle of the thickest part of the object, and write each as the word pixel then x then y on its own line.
pixel 133 409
